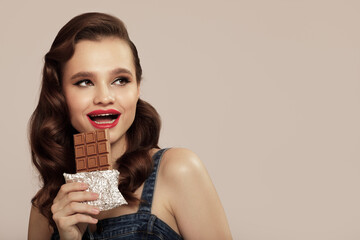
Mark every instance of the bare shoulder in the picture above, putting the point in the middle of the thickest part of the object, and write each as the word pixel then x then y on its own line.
pixel 182 162
pixel 183 172
pixel 186 179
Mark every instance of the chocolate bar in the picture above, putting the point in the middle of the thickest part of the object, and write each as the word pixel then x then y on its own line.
pixel 92 151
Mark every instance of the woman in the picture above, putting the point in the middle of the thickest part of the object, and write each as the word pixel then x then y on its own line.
pixel 91 80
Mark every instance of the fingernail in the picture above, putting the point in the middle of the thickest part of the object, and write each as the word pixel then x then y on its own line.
pixel 84 185
pixel 95 210
pixel 94 194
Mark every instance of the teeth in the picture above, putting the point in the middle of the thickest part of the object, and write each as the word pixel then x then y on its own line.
pixel 108 122
pixel 102 115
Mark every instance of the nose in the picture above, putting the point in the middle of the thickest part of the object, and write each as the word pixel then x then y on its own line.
pixel 104 95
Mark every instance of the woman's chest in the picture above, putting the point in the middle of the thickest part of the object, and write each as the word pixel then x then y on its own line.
pixel 160 207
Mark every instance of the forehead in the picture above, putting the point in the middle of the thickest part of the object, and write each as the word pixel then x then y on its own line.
pixel 101 55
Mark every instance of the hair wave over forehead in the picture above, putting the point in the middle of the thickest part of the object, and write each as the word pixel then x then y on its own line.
pixel 88 26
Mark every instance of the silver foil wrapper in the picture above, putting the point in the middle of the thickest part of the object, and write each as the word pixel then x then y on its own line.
pixel 105 183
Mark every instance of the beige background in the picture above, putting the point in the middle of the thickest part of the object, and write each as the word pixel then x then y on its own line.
pixel 266 92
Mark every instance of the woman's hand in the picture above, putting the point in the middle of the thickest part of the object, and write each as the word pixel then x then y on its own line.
pixel 70 214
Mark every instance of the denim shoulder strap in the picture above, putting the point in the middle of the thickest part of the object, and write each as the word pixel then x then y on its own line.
pixel 149 185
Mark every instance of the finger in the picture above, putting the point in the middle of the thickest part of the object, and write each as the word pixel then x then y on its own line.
pixel 67 222
pixel 75 207
pixel 70 187
pixel 73 197
pixel 80 197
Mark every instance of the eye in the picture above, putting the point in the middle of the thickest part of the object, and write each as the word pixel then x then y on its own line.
pixel 121 81
pixel 84 83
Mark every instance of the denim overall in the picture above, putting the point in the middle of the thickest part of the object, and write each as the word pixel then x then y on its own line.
pixel 140 225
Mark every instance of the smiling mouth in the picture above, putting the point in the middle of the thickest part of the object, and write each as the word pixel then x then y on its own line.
pixel 106 118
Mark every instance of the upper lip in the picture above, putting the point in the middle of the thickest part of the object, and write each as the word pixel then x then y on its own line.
pixel 104 112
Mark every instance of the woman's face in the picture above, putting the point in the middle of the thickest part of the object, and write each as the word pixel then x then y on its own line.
pixel 100 88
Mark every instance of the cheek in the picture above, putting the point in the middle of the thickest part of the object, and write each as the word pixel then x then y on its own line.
pixel 128 101
pixel 76 104
pixel 133 103
pixel 129 106
pixel 71 104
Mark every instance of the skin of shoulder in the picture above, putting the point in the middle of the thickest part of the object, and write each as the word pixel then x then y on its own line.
pixel 39 228
pixel 192 196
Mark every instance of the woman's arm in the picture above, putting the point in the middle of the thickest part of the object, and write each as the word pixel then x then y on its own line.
pixel 39 228
pixel 193 198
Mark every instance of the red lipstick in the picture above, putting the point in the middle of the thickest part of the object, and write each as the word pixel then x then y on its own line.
pixel 101 119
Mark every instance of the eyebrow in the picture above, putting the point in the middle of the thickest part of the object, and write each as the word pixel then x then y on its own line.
pixel 85 74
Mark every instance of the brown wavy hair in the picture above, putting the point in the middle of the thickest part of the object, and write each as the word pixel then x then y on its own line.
pixel 50 130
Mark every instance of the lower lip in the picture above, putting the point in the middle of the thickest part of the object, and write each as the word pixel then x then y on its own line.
pixel 104 125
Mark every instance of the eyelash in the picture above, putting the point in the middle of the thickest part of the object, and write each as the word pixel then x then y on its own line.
pixel 84 81
pixel 87 82
pixel 124 80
